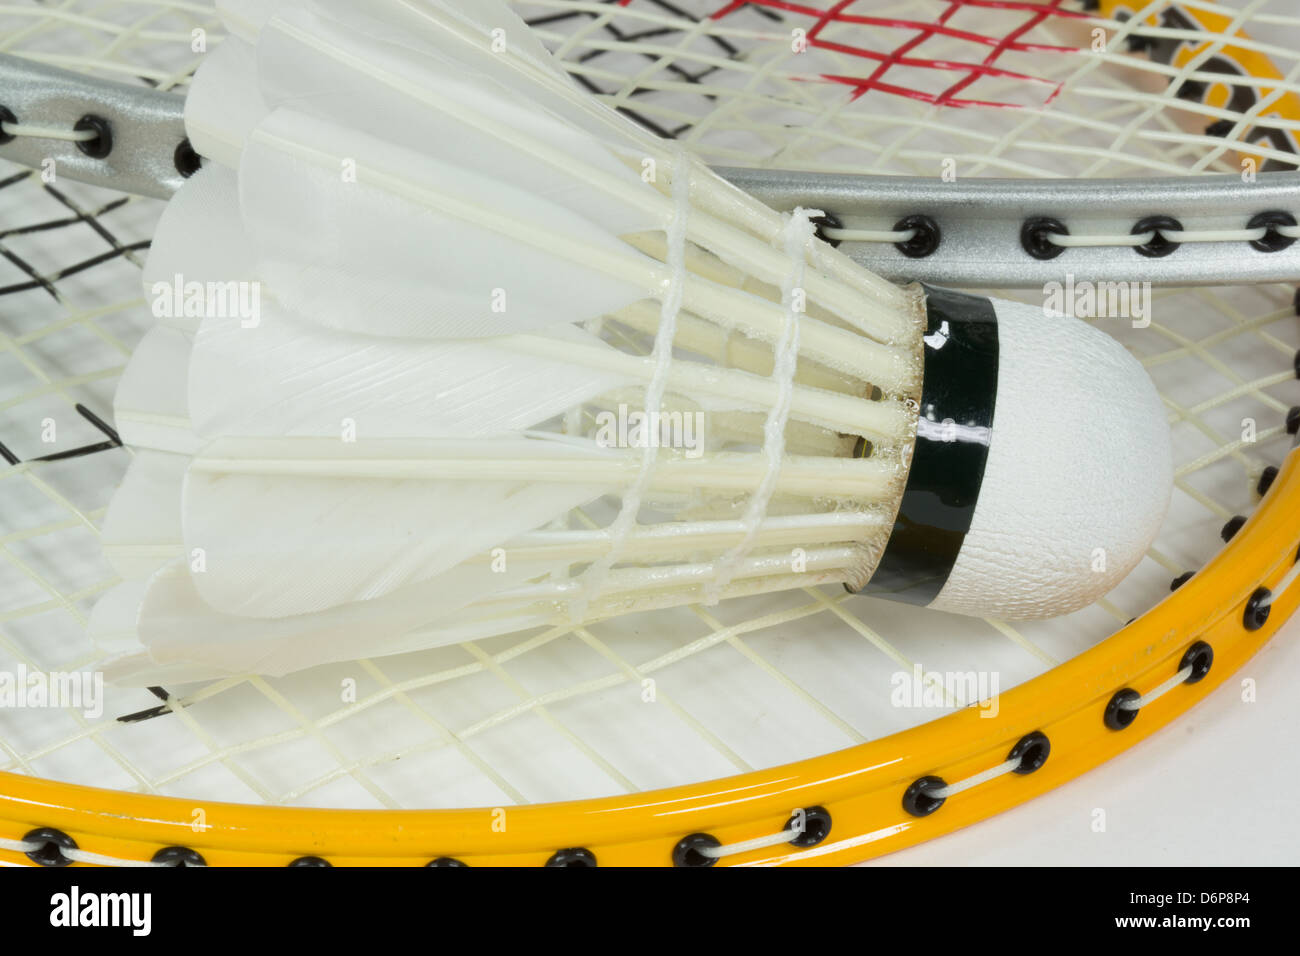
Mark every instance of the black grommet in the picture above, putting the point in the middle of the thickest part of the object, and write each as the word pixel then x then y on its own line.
pixel 1293 420
pixel 310 861
pixel 1179 581
pixel 1295 363
pixel 1273 240
pixel 816 827
pixel 1201 657
pixel 102 144
pixel 1034 233
pixel 1159 246
pixel 573 856
pixel 178 856
pixel 1256 610
pixel 862 448
pixel 186 160
pixel 53 843
pixel 1117 717
pixel 1221 128
pixel 687 851
pixel 447 861
pixel 7 116
pixel 917 800
pixel 1232 526
pixel 824 222
pixel 1032 751
pixel 925 242
pixel 1136 43
pixel 1266 479
pixel 1295 302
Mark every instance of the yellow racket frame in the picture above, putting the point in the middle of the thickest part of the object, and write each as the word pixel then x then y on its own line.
pixel 1246 60
pixel 861 787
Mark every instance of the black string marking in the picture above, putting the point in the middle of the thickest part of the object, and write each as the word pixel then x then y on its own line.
pixel 152 712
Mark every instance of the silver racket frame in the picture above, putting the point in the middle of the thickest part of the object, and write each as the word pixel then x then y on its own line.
pixel 147 125
pixel 980 221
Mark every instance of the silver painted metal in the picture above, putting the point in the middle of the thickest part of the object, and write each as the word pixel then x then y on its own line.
pixel 147 127
pixel 980 222
pixel 980 219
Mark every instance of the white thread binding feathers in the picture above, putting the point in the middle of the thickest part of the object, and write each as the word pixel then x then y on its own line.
pixel 457 277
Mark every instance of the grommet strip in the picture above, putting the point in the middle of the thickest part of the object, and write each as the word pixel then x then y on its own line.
pixel 1028 755
pixel 925 239
pixel 1124 705
pixel 1041 237
pixel 577 857
pixel 178 856
pixel 690 851
pixel 1161 236
pixel 12 129
pixel 928 794
pixel 1288 581
pixel 805 828
pixel 100 143
pixel 1156 236
pixel 1162 230
pixel 123 136
pixel 1231 527
pixel 54 846
pixel 1151 696
pixel 34 846
pixel 838 234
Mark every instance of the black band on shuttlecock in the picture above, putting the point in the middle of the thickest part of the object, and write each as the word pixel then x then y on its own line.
pixel 954 429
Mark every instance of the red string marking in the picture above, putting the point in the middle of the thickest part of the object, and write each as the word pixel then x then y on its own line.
pixel 1036 14
pixel 1012 37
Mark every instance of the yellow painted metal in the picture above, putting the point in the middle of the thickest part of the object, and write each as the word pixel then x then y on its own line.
pixel 1226 60
pixel 862 786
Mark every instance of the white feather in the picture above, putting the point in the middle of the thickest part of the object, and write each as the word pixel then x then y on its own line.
pixel 200 239
pixel 245 18
pixel 278 545
pixel 288 376
pixel 142 530
pixel 224 103
pixel 175 626
pixel 342 63
pixel 150 406
pixel 417 247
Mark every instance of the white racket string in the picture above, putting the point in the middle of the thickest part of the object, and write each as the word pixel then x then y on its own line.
pixel 1007 766
pixel 47 132
pixel 1288 581
pixel 75 855
pixel 1137 703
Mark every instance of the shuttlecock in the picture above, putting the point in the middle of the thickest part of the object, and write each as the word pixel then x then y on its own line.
pixel 448 349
